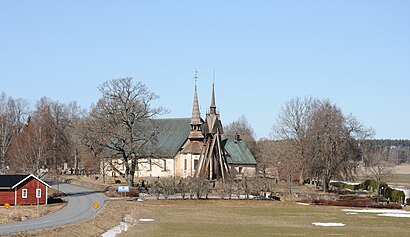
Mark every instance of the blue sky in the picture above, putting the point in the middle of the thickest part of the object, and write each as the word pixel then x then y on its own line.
pixel 356 53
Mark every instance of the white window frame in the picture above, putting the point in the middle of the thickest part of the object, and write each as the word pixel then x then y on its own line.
pixel 38 193
pixel 24 193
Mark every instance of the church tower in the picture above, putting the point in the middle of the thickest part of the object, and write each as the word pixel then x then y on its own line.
pixel 212 163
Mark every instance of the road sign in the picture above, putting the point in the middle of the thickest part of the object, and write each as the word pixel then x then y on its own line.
pixel 123 189
pixel 95 205
pixel 7 205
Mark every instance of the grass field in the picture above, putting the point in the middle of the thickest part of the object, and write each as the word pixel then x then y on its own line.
pixel 257 218
pixel 231 218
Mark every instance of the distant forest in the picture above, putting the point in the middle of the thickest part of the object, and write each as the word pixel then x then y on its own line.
pixel 398 150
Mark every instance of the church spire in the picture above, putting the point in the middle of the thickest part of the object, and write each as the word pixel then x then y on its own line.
pixel 196 116
pixel 213 106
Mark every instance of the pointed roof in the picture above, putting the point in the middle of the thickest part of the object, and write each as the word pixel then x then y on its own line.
pixel 213 106
pixel 196 116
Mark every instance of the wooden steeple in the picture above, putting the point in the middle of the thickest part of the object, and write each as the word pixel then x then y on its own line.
pixel 212 163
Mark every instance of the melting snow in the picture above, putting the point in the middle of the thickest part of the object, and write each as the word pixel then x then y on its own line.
pixel 304 204
pixel 116 230
pixel 328 224
pixel 380 212
pixel 146 220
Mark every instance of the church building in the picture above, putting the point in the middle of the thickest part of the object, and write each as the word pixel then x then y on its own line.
pixel 193 147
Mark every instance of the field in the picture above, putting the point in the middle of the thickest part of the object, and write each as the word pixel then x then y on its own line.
pixel 258 218
pixel 235 218
pixel 231 218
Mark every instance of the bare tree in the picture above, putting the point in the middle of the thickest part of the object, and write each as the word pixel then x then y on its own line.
pixel 380 168
pixel 30 148
pixel 12 114
pixel 122 122
pixel 332 147
pixel 266 157
pixel 242 128
pixel 292 124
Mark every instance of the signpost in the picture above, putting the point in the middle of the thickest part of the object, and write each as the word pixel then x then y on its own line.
pixel 124 189
pixel 95 206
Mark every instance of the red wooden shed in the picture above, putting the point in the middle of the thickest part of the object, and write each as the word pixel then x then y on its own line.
pixel 23 190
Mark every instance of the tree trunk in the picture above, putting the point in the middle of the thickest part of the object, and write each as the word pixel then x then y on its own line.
pixel 301 175
pixel 378 190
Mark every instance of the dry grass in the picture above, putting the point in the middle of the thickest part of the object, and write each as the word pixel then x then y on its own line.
pixel 230 218
pixel 258 218
pixel 111 214
pixel 15 213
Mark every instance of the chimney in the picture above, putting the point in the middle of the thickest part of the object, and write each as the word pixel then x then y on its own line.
pixel 237 137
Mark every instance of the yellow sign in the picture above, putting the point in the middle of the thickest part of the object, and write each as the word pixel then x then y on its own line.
pixel 7 205
pixel 95 205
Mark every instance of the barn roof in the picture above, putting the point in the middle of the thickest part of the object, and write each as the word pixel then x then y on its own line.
pixel 12 181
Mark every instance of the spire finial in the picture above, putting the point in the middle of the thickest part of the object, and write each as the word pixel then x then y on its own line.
pixel 196 77
pixel 196 116
pixel 213 106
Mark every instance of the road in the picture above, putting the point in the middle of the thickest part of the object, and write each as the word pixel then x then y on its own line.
pixel 79 207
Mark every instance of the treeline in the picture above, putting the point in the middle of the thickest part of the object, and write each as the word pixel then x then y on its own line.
pixel 53 137
pixel 41 139
pixel 397 151
pixel 390 142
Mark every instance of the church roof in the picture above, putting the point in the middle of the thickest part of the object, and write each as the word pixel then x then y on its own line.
pixel 173 134
pixel 238 153
pixel 196 116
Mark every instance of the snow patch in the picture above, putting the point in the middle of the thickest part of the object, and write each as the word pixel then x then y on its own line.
pixel 116 230
pixel 304 204
pixel 395 215
pixel 146 220
pixel 381 212
pixel 376 211
pixel 328 224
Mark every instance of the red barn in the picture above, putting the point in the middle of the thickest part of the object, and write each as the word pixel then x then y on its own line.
pixel 23 190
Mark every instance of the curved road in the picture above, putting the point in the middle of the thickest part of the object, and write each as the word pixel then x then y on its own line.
pixel 79 207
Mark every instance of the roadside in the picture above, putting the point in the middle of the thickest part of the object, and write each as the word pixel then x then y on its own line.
pixel 20 213
pixel 111 214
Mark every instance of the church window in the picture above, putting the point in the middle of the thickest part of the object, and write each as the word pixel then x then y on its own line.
pixel 195 164
pixel 150 164
pixel 165 165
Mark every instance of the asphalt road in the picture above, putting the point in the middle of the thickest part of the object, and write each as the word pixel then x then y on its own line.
pixel 79 207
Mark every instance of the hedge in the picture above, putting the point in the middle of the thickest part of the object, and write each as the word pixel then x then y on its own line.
pixel 371 185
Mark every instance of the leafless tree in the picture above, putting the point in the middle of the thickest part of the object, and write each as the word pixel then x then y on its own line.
pixel 292 124
pixel 380 168
pixel 242 128
pixel 13 113
pixel 332 146
pixel 267 158
pixel 122 122
pixel 30 149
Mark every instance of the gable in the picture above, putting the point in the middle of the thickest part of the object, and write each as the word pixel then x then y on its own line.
pixel 13 181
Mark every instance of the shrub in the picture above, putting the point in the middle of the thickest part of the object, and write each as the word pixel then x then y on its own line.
pixel 352 203
pixel 342 185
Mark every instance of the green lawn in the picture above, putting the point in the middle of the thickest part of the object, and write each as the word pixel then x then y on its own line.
pixel 257 218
